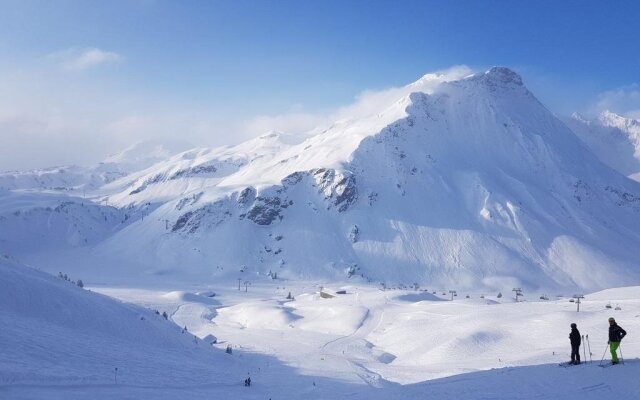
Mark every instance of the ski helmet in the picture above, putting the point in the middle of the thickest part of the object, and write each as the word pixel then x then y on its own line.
pixel 573 325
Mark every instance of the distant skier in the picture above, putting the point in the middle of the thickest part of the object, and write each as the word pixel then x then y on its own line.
pixel 616 333
pixel 574 337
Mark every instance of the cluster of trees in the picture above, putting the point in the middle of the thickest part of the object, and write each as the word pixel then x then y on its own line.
pixel 66 278
pixel 164 314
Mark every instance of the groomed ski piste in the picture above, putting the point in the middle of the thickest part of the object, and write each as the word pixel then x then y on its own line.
pixel 59 341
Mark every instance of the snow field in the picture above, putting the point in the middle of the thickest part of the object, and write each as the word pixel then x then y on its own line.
pixel 385 337
pixel 61 342
pixel 55 333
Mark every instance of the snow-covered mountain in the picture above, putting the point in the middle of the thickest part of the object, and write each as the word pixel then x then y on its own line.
pixel 460 183
pixel 613 138
pixel 71 178
pixel 79 180
pixel 143 154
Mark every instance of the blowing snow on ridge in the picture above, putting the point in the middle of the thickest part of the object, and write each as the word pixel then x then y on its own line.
pixel 466 182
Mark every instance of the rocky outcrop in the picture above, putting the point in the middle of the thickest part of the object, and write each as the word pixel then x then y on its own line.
pixel 208 216
pixel 338 187
pixel 194 171
pixel 266 210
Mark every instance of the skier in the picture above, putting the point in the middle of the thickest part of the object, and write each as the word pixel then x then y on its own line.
pixel 616 333
pixel 574 337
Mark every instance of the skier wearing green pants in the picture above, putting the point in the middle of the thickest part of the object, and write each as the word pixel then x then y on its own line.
pixel 616 333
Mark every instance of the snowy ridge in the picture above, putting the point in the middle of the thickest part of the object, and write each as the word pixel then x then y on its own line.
pixel 62 179
pixel 466 182
pixel 145 153
pixel 82 180
pixel 613 138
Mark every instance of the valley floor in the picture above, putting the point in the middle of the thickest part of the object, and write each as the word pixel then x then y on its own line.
pixel 374 344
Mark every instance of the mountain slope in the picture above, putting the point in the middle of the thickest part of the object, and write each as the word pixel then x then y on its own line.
pixel 460 183
pixel 54 332
pixel 83 180
pixel 613 138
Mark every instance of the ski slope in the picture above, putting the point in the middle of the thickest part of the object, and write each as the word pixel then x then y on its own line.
pixel 365 344
pixel 57 335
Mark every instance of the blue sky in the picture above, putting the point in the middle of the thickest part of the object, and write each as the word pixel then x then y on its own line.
pixel 100 74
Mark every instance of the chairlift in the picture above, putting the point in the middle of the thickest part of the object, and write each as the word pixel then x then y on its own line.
pixel 608 306
pixel 572 300
pixel 618 308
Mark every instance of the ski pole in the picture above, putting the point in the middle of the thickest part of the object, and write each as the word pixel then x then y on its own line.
pixel 605 352
pixel 584 349
pixel 590 353
pixel 621 358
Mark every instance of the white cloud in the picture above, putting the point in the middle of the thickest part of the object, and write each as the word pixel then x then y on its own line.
pixel 75 59
pixel 51 118
pixel 624 100
pixel 39 140
pixel 634 114
pixel 293 122
pixel 365 103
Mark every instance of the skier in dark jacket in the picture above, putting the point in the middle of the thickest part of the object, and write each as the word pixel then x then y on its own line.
pixel 575 339
pixel 616 333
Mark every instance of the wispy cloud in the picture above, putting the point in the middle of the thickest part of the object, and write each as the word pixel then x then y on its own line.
pixel 624 100
pixel 365 103
pixel 78 59
pixel 53 118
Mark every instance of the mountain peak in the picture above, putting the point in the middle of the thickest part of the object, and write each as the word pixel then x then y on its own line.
pixel 497 77
pixel 580 118
pixel 629 125
pixel 608 115
pixel 281 137
pixel 503 75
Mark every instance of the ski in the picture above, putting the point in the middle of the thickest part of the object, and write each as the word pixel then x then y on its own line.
pixel 568 364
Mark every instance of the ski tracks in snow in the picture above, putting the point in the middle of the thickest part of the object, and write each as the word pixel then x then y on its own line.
pixel 356 350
